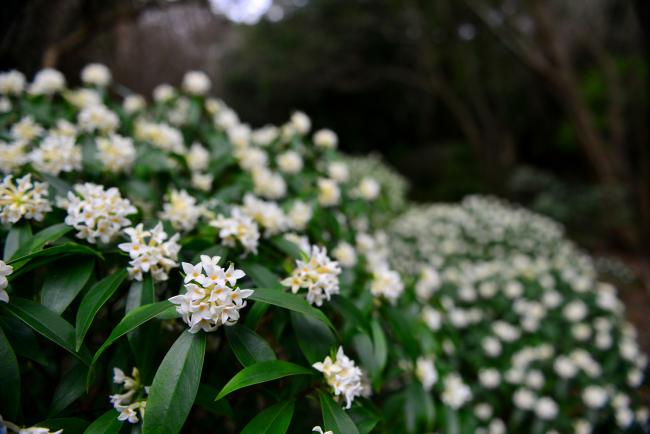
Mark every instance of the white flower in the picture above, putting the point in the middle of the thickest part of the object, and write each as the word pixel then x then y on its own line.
pixel 238 227
pixel 12 83
pixel 290 162
pixel 299 240
pixel 431 318
pixel 82 98
pixel 343 375
pixel 338 171
pixel 326 139
pixel 98 118
pixel 23 199
pixel 5 105
pixel 386 283
pixel 594 396
pixel 38 430
pixel 181 210
pixel 299 215
pixel 319 275
pixel 428 282
pixel 266 213
pixel 239 135
pixel 368 189
pixel 96 74
pixel 133 103
pixel 524 399
pixel 197 157
pixel 489 378
pixel 319 430
pixel 300 122
pixel 47 82
pixel 345 254
pixel 96 212
pixel 212 297
pixel 546 408
pixel 161 136
pixel 154 255
pixel 26 129
pixel 163 93
pixel 202 181
pixel 264 136
pixel 328 192
pixel 5 270
pixel 575 311
pixel 251 158
pixel 196 83
pixel 13 156
pixel 56 154
pixel 426 372
pixel 455 393
pixel 268 184
pixel 132 400
pixel 116 153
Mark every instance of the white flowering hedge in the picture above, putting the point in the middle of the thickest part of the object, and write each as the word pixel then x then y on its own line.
pixel 166 268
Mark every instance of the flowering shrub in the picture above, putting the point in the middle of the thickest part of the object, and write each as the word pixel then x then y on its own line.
pixel 522 319
pixel 243 277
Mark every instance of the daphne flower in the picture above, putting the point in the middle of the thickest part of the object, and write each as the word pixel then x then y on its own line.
pixel 197 158
pixel 96 212
pixel 386 283
pixel 161 136
pixel 83 98
pixel 12 83
pixel 116 153
pixel 98 118
pixel 264 136
pixel 319 430
pixel 299 215
pixel 426 372
pixel 318 274
pixel 328 192
pixel 96 74
pixel 13 156
pixel 343 376
pixel 132 402
pixel 57 154
pixel 202 181
pixel 345 254
pixel 23 199
pixel 266 213
pixel 368 189
pixel 300 122
pixel 153 255
pixel 182 210
pixel 5 270
pixel 133 104
pixel 47 82
pixel 26 129
pixel 196 83
pixel 239 227
pixel 163 93
pixel 268 184
pixel 455 393
pixel 429 281
pixel 290 162
pixel 326 139
pixel 338 171
pixel 212 297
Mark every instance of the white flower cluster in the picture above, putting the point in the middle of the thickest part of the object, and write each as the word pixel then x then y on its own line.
pixel 318 274
pixel 116 152
pixel 212 297
pixel 23 198
pixel 13 156
pixel 156 255
pixel 182 210
pixel 267 214
pixel 57 153
pixel 47 81
pixel 96 74
pixel 6 427
pixel 344 376
pixel 96 212
pixel 98 117
pixel 132 402
pixel 239 227
pixel 161 136
pixel 5 270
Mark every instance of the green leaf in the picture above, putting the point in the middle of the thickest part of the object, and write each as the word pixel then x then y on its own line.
pixel 363 346
pixel 64 283
pixel 47 235
pixel 289 301
pixel 175 385
pixel 144 340
pixel 248 346
pixel 45 256
pixel 69 389
pixel 365 417
pixel 287 247
pixel 106 424
pixel 17 236
pixel 205 399
pixel 380 345
pixel 10 379
pixel 94 300
pixel 131 321
pixel 47 323
pixel 62 188
pixel 262 372
pixel 255 313
pixel 262 277
pixel 315 339
pixel 273 420
pixel 334 417
pixel 141 292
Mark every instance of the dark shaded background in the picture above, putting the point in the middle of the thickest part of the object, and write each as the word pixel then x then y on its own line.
pixel 541 101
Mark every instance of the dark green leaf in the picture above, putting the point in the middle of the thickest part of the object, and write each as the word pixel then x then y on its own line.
pixel 47 235
pixel 288 247
pixel 248 346
pixel 62 188
pixel 106 424
pixel 314 338
pixel 255 313
pixel 364 416
pixel 278 297
pixel 94 300
pixel 175 385
pixel 363 346
pixel 67 424
pixel 69 389
pixel 10 380
pixel 17 236
pixel 262 372
pixel 205 399
pixel 380 345
pixel 28 262
pixel 64 283
pixel 273 420
pixel 47 323
pixel 334 417
pixel 262 277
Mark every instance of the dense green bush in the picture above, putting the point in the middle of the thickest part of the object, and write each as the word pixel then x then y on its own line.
pixel 167 268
